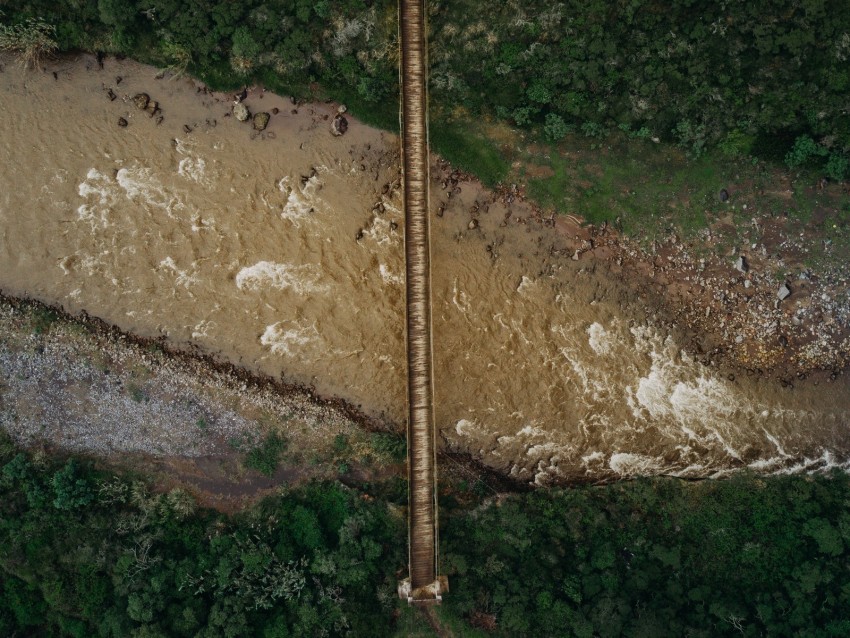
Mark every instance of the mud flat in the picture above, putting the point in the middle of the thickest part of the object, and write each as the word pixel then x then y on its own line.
pixel 280 251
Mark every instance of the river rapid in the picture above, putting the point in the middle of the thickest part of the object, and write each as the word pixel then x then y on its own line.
pixel 282 251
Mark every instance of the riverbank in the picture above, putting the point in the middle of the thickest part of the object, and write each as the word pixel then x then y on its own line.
pixel 563 353
pixel 748 259
pixel 76 385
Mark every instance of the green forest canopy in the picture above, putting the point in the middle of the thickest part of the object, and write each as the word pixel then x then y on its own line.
pixel 87 553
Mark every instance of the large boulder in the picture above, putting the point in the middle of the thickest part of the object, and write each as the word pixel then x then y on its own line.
pixel 339 125
pixel 141 100
pixel 241 112
pixel 261 121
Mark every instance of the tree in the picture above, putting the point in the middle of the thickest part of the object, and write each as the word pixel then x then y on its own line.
pixel 71 491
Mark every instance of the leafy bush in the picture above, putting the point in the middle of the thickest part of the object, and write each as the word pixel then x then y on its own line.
pixel 838 166
pixel 71 490
pixel 652 557
pixel 265 457
pixel 31 40
pixel 522 116
pixel 736 143
pixel 805 148
pixel 691 137
pixel 555 128
pixel 244 52
pixel 390 446
pixel 592 129
pixel 539 93
pixel 684 73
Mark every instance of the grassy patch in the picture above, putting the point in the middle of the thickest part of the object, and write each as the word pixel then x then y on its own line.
pixel 136 392
pixel 42 319
pixel 389 446
pixel 648 189
pixel 265 457
pixel 466 148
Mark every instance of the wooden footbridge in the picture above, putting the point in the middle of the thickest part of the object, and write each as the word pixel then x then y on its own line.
pixel 424 583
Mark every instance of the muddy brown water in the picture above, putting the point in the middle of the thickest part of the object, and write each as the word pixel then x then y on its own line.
pixel 282 251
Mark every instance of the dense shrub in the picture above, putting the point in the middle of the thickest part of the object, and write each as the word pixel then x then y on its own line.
pixel 265 456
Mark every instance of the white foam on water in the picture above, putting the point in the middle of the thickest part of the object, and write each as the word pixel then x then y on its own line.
pixel 202 329
pixel 600 340
pixel 301 203
pixel 138 185
pixel 628 464
pixel 592 381
pixel 764 465
pixel 823 463
pixel 776 444
pixel 181 277
pixel 464 427
pixel 94 185
pixel 296 209
pixel 593 457
pixel 96 188
pixel 691 471
pixel 499 318
pixel 199 224
pixel 543 449
pixel 524 285
pixel 300 278
pixel 288 341
pixel 141 187
pixel 389 277
pixel 674 387
pixel 380 231
pixel 91 265
pixel 184 146
pixel 731 451
pixel 460 299
pixel 67 264
pixel 516 328
pixel 691 401
pixel 547 471
pixel 530 430
pixel 193 169
pixel 390 206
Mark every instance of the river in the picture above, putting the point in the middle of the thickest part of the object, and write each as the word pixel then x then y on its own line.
pixel 281 251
